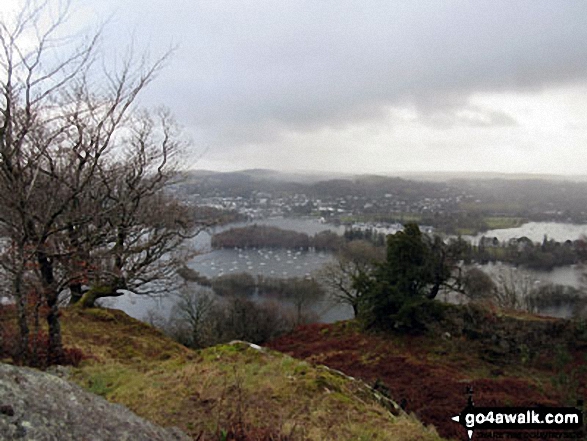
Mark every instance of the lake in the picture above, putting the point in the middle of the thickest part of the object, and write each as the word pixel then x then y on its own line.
pixel 309 226
pixel 269 263
pixel 298 263
pixel 535 231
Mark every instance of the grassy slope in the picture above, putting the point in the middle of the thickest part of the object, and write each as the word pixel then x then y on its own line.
pixel 432 373
pixel 225 387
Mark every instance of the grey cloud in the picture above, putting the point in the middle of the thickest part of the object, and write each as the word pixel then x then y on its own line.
pixel 257 68
pixel 467 116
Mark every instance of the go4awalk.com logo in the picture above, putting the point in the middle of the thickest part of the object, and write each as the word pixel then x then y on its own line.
pixel 522 422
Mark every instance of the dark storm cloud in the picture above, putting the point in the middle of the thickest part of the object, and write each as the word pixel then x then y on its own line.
pixel 256 68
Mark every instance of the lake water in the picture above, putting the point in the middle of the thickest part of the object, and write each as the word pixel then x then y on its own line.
pixel 298 263
pixel 535 231
pixel 269 263
pixel 309 226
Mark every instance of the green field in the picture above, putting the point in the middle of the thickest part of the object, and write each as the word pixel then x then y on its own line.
pixel 496 223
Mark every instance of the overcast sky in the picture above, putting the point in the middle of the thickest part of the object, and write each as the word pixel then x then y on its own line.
pixel 369 86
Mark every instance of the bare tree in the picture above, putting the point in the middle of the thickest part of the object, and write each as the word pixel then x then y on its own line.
pixel 238 318
pixel 82 171
pixel 192 313
pixel 513 289
pixel 338 277
pixel 140 227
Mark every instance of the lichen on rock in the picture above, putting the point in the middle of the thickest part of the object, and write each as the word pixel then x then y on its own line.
pixel 38 406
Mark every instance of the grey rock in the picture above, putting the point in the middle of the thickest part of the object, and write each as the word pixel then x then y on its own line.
pixel 39 406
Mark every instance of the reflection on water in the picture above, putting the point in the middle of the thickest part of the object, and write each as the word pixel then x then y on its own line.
pixel 269 263
pixel 298 263
pixel 138 306
pixel 568 275
pixel 564 275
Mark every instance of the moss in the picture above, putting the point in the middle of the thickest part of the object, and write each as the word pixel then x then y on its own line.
pixel 101 314
pixel 99 386
pixel 88 300
pixel 301 369
pixel 322 383
pixel 203 392
pixel 107 334
pixel 344 399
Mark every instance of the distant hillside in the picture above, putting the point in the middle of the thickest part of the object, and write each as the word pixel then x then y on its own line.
pixel 224 391
pixel 447 176
pixel 312 177
pixel 301 177
pixel 435 199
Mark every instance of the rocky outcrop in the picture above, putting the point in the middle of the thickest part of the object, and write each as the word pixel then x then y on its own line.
pixel 39 406
pixel 508 339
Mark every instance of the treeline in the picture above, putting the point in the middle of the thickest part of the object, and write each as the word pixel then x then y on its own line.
pixel 214 216
pixel 541 256
pixel 262 236
pixel 367 234
pixel 200 320
pixel 238 307
pixel 247 285
pixel 523 252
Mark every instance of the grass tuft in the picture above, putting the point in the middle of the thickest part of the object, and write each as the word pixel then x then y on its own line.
pixel 231 391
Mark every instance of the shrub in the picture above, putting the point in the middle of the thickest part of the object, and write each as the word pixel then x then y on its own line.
pixel 231 318
pixel 419 315
pixel 37 353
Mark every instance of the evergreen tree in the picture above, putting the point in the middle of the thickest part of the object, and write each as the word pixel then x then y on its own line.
pixel 415 269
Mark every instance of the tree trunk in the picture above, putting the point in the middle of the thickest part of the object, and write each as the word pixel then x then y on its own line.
pixel 34 356
pixel 55 353
pixel 434 291
pixel 75 288
pixel 76 293
pixel 22 349
pixel 88 300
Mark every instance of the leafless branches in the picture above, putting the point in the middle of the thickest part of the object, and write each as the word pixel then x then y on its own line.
pixel 338 277
pixel 83 172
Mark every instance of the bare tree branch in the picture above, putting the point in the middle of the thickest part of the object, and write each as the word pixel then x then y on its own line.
pixel 83 172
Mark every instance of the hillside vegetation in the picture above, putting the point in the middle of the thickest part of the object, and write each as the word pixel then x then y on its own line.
pixel 227 392
pixel 507 359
